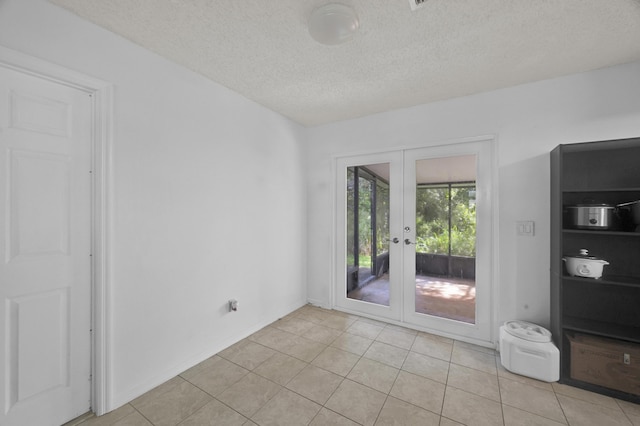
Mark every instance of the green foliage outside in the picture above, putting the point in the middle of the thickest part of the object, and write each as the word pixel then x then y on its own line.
pixel 366 187
pixel 433 235
pixel 432 220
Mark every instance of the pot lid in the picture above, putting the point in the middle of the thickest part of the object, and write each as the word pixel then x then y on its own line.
pixel 584 254
pixel 528 331
pixel 602 205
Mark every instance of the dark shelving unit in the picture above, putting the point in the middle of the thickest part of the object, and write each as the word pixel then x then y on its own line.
pixel 595 172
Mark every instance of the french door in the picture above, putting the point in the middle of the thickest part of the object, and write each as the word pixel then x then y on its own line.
pixel 414 237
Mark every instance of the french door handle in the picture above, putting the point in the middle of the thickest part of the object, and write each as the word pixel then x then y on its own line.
pixel 407 242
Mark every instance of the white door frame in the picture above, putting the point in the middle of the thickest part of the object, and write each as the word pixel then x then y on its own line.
pixel 102 101
pixel 490 335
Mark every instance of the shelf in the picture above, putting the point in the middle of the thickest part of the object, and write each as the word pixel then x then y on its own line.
pixel 613 280
pixel 602 232
pixel 603 172
pixel 590 190
pixel 604 329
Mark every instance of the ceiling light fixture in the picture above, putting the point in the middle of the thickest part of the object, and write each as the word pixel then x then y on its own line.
pixel 333 23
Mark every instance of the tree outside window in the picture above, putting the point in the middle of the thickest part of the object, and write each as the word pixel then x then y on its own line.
pixel 446 219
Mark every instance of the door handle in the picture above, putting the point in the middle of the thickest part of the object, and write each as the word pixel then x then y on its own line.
pixel 395 240
pixel 407 242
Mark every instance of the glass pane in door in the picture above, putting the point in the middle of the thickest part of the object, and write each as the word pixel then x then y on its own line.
pixel 367 242
pixel 446 238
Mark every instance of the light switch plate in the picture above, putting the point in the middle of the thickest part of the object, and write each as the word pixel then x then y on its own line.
pixel 525 228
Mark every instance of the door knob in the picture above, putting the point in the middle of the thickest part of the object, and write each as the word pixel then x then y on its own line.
pixel 407 242
pixel 395 240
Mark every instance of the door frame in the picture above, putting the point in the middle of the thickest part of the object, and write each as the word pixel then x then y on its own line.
pixel 493 297
pixel 101 93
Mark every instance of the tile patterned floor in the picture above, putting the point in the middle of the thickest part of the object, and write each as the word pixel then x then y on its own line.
pixel 318 367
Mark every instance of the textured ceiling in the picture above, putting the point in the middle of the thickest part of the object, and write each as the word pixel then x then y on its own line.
pixel 400 58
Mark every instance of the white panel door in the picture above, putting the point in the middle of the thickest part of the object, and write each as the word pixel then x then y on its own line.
pixel 45 240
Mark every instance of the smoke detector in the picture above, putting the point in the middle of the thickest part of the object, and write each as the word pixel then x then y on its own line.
pixel 417 4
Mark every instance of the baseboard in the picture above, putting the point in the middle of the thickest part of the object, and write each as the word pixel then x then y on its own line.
pixel 319 303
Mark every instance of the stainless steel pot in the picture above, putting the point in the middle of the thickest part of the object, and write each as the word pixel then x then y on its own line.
pixel 591 216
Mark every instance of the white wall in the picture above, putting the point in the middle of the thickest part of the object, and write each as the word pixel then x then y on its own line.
pixel 208 200
pixel 528 121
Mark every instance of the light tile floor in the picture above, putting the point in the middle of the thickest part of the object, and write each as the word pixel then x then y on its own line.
pixel 320 367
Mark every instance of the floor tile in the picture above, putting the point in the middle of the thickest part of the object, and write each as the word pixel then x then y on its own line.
pixel 295 325
pixel 474 359
pixel 587 414
pixel 314 315
pixel 360 328
pixel 386 354
pixel 303 349
pixel 397 338
pixel 516 417
pixel 401 329
pixel 249 394
pixel 280 368
pixel 134 419
pixel 473 347
pixel 215 413
pixel 352 343
pixel 530 398
pixel 436 337
pixel 247 354
pixel 286 409
pixel 336 360
pixel 474 381
pixel 584 395
pixel 322 334
pixel 338 322
pixel 631 410
pixel 372 321
pixel 417 390
pixel 214 375
pixel 471 409
pixel 273 338
pixel 110 418
pixel 397 412
pixel 432 347
pixel 357 402
pixel 315 383
pixel 171 402
pixel 374 374
pixel 448 422
pixel 426 366
pixel 329 418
